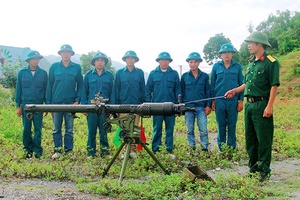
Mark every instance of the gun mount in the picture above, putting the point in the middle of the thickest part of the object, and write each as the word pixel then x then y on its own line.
pixel 130 134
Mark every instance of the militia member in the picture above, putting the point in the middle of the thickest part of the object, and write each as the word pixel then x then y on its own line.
pixel 195 86
pixel 226 75
pixel 163 85
pixel 65 86
pixel 98 80
pixel 130 85
pixel 31 89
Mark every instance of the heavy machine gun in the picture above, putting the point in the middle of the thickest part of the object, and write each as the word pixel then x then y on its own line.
pixel 130 133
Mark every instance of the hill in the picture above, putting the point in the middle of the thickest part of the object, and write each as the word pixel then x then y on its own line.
pixel 289 75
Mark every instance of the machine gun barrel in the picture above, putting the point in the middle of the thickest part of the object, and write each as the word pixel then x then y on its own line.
pixel 145 109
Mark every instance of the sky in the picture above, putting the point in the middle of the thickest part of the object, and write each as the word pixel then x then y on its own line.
pixel 147 27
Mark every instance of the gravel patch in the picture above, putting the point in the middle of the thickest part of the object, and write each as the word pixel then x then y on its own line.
pixel 36 189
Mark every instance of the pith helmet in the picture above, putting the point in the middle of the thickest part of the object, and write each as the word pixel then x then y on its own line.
pixel 66 47
pixel 130 54
pixel 164 55
pixel 258 37
pixel 99 55
pixel 227 48
pixel 194 56
pixel 33 54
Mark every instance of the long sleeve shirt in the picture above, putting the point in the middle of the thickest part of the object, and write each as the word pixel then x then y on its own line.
pixel 223 79
pixel 162 86
pixel 94 83
pixel 130 86
pixel 65 84
pixel 195 89
pixel 31 88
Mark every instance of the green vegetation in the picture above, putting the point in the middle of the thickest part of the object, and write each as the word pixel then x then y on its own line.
pixel 281 28
pixel 143 178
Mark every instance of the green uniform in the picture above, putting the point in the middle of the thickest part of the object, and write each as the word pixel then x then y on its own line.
pixel 261 75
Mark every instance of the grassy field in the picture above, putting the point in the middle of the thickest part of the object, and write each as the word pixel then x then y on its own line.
pixel 143 178
pixel 143 172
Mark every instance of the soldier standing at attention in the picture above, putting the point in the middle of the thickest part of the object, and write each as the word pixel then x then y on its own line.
pixel 163 85
pixel 98 80
pixel 225 75
pixel 260 88
pixel 130 86
pixel 65 86
pixel 31 89
pixel 195 86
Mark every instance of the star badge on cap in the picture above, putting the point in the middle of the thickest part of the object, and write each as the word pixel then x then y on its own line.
pixel 165 54
pixel 195 54
pixel 225 47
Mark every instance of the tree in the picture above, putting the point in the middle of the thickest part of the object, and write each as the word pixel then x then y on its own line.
pixel 282 30
pixel 244 54
pixel 9 69
pixel 86 63
pixel 211 49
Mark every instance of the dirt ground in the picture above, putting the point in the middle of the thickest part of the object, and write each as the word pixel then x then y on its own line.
pixel 282 172
pixel 54 190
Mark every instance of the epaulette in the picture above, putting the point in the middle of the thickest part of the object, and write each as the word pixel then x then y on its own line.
pixel 271 58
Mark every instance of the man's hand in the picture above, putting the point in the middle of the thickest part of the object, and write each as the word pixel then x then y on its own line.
pixel 229 94
pixel 207 110
pixel 240 106
pixel 213 106
pixel 85 114
pixel 268 112
pixel 19 111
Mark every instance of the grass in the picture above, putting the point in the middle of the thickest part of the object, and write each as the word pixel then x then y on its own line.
pixel 143 172
pixel 143 178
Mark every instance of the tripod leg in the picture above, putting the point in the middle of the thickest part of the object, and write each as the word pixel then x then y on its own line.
pixel 154 158
pixel 113 160
pixel 128 147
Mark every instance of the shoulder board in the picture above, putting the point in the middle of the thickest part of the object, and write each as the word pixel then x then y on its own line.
pixel 271 58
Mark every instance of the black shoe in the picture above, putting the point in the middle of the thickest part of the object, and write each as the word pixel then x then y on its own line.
pixel 264 176
pixel 38 155
pixel 28 155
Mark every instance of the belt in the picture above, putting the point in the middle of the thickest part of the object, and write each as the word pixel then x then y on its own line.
pixel 254 99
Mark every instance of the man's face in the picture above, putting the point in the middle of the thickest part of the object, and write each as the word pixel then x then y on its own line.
pixel 99 63
pixel 164 63
pixel 34 62
pixel 227 56
pixel 253 47
pixel 194 64
pixel 66 55
pixel 130 61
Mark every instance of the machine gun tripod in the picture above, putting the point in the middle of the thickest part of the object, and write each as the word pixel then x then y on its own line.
pixel 130 135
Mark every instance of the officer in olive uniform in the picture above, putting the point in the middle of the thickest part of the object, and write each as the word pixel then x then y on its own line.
pixel 260 88
pixel 31 89
pixel 98 80
pixel 163 85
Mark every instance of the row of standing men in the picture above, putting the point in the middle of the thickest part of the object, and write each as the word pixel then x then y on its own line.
pixel 66 85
